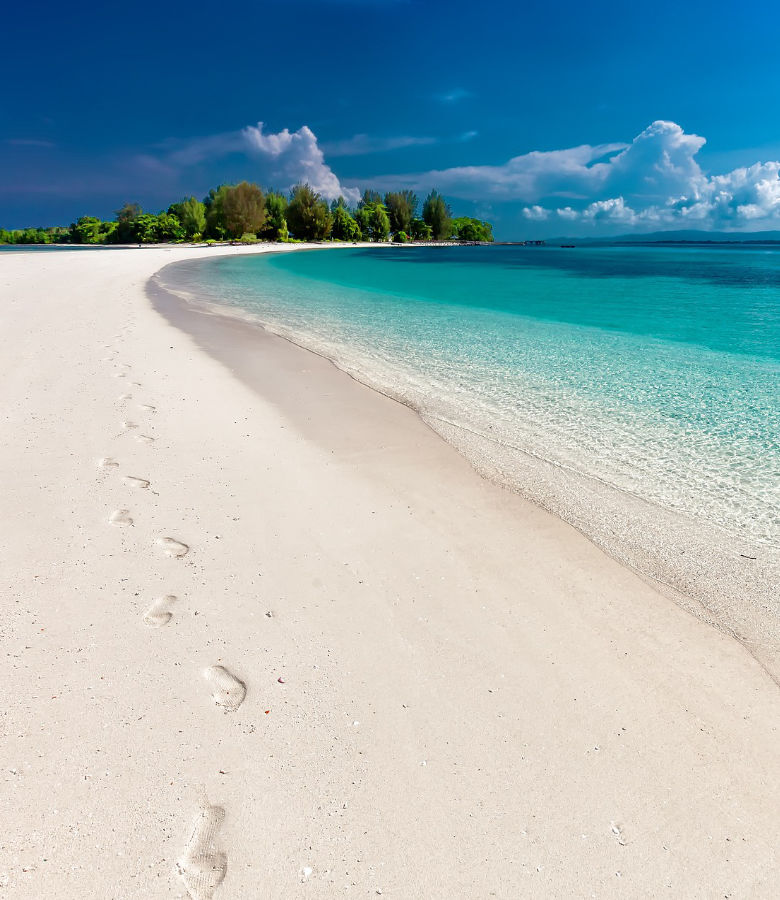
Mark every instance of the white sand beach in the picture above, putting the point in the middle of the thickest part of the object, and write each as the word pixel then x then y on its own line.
pixel 267 636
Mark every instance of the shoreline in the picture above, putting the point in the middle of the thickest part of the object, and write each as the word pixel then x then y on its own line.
pixel 447 691
pixel 723 579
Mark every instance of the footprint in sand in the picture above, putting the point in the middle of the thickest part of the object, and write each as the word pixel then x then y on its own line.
pixel 202 866
pixel 171 547
pixel 120 517
pixel 227 691
pixel 617 830
pixel 107 462
pixel 159 613
pixel 144 439
pixel 132 481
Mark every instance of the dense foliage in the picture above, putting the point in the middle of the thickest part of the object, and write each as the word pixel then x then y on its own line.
pixel 372 218
pixel 308 215
pixel 245 212
pixel 436 214
pixel 401 209
pixel 345 228
pixel 466 229
pixel 275 227
pixel 243 209
pixel 192 215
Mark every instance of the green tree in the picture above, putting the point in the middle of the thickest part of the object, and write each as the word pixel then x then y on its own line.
pixel 275 226
pixel 60 235
pixel 168 228
pixel 369 198
pixel 308 216
pixel 401 209
pixel 467 229
pixel 145 228
pixel 86 230
pixel 128 212
pixel 215 216
pixel 243 209
pixel 421 231
pixel 124 233
pixel 379 223
pixel 164 227
pixel 436 213
pixel 371 217
pixel 107 232
pixel 32 236
pixel 345 228
pixel 192 215
pixel 340 201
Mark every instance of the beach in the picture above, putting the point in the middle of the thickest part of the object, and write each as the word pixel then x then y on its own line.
pixel 268 635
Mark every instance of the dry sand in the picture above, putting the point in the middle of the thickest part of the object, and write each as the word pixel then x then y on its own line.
pixel 267 636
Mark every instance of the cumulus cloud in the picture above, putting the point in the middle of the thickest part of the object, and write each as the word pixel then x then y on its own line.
pixel 536 213
pixel 281 159
pixel 653 181
pixel 293 156
pixel 657 181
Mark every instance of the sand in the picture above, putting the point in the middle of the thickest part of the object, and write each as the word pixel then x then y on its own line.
pixel 267 636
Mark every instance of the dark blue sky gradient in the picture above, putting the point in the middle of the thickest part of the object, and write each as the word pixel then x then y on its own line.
pixel 87 85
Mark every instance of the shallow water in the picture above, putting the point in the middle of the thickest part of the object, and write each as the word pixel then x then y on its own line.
pixel 649 374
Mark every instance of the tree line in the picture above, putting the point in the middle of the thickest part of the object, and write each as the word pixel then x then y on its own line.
pixel 244 212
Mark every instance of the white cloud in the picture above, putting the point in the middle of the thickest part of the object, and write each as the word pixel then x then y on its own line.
pixel 654 181
pixel 662 184
pixel 294 156
pixel 659 163
pixel 280 159
pixel 528 178
pixel 612 210
pixel 536 213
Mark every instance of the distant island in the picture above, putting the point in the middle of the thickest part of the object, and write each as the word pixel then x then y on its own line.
pixel 244 212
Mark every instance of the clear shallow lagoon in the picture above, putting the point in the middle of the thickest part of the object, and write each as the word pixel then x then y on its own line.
pixel 652 373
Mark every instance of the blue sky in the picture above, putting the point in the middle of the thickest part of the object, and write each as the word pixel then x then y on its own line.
pixel 548 118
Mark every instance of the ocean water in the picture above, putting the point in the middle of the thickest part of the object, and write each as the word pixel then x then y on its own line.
pixel 644 381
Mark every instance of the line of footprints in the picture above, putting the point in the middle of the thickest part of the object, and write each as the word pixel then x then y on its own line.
pixel 202 866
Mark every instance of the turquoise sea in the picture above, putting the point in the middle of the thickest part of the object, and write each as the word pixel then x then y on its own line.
pixel 648 375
